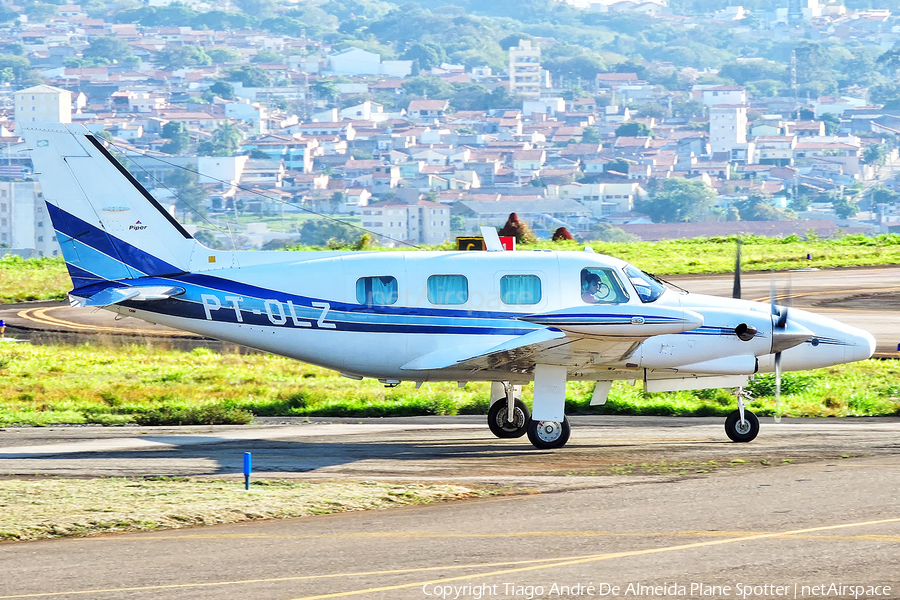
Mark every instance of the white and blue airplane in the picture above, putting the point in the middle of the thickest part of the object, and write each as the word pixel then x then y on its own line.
pixel 505 317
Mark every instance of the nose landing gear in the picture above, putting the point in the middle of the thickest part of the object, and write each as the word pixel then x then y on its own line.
pixel 742 425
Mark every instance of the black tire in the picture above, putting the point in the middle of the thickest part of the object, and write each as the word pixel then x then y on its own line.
pixel 503 428
pixel 547 435
pixel 742 433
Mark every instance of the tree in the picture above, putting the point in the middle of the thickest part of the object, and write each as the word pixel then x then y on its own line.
pixel 249 76
pixel 7 15
pixel 844 207
pixel 178 57
pixel 875 154
pixel 321 232
pixel 582 66
pixel 267 56
pixel 590 135
pixel 223 90
pixel 678 200
pixel 336 201
pixel 633 129
pixel 261 9
pixel 759 207
pixel 619 165
pixel 882 195
pixel 890 60
pixel 513 39
pixel 13 67
pixel 218 20
pixel 744 71
pixel 179 138
pixel 226 141
pixel 190 197
pixel 223 55
pixel 427 55
pixel 108 49
pixel 518 229
pixel 832 123
pixel 433 87
pixel 326 89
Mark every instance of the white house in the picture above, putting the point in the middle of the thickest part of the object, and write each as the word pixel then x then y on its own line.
pixel 355 61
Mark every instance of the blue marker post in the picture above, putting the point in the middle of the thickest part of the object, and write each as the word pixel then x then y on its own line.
pixel 247 469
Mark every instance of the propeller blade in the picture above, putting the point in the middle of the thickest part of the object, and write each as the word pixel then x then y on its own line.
pixel 778 387
pixel 736 291
pixel 772 295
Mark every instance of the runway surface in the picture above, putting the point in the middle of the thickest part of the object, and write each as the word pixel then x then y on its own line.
pixel 646 500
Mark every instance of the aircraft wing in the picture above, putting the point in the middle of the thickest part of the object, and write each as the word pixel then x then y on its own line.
pixel 580 339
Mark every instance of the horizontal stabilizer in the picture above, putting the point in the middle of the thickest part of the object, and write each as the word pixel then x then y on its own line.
pixel 111 296
pixel 450 357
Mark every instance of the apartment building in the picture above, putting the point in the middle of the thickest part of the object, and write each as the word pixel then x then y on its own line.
pixel 25 225
pixel 44 104
pixel 525 70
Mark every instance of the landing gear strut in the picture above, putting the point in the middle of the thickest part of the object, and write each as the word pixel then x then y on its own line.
pixel 742 425
pixel 508 416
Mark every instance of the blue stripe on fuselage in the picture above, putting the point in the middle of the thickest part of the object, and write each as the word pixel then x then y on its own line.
pixel 94 237
pixel 254 310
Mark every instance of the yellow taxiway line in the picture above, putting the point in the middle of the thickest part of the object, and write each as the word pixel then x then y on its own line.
pixel 516 566
pixel 39 315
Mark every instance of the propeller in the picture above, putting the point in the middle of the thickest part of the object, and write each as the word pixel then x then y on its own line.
pixel 780 336
pixel 736 291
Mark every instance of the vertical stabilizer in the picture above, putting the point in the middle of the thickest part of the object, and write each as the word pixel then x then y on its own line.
pixel 108 226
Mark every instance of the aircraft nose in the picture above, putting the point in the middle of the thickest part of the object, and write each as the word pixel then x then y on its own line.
pixel 860 345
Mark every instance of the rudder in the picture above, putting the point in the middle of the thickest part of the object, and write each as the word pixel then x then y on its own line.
pixel 108 226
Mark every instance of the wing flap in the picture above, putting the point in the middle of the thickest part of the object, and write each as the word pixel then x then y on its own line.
pixel 458 355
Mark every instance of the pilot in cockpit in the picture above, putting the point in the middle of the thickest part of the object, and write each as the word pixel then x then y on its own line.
pixel 592 289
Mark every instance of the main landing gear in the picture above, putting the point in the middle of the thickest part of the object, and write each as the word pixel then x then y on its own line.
pixel 742 425
pixel 546 435
pixel 506 424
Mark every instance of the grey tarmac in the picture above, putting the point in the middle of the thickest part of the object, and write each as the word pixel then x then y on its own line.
pixel 810 502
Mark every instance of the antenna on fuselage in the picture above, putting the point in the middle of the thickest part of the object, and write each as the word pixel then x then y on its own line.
pixel 491 239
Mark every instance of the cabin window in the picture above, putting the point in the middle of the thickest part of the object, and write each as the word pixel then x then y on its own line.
pixel 648 289
pixel 601 286
pixel 376 291
pixel 520 289
pixel 448 289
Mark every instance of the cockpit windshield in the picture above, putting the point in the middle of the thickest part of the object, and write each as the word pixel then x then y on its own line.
pixel 648 288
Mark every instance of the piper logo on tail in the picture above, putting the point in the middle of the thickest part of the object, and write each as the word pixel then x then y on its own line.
pixel 137 227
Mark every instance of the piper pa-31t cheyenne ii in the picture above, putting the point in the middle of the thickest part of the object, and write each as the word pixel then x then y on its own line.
pixel 505 317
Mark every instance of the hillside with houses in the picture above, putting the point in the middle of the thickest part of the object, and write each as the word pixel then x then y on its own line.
pixel 270 125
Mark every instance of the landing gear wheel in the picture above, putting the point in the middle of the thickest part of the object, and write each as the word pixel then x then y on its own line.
pixel 742 432
pixel 546 435
pixel 503 428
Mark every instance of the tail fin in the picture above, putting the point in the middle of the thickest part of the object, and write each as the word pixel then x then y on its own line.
pixel 108 226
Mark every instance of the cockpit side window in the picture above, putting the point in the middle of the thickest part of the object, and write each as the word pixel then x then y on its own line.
pixel 601 286
pixel 648 289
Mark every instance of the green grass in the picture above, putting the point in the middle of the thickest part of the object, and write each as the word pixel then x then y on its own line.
pixel 33 279
pixel 43 385
pixel 38 508
pixel 46 279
